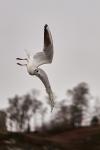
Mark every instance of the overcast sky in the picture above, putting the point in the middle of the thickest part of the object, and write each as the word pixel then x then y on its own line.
pixel 75 27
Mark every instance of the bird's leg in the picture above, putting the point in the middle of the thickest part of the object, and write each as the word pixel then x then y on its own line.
pixel 21 58
pixel 21 64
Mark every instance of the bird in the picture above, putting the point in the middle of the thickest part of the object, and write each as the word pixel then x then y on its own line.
pixel 33 62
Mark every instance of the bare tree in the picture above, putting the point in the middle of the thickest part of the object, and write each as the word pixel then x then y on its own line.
pixel 36 106
pixel 3 127
pixel 18 111
pixel 95 121
pixel 79 101
pixel 25 107
pixel 43 112
pixel 13 111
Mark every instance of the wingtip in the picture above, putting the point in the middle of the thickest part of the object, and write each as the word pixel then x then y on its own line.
pixel 17 58
pixel 45 26
pixel 52 108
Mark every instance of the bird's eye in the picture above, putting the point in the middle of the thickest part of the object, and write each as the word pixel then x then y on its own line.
pixel 36 70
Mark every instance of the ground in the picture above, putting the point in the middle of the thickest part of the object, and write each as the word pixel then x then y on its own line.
pixel 84 138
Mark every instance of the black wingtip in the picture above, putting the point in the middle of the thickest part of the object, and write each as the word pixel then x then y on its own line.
pixel 45 26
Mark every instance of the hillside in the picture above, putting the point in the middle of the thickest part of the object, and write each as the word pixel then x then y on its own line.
pixel 86 138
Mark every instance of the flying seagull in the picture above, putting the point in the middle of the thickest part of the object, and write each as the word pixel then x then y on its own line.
pixel 45 57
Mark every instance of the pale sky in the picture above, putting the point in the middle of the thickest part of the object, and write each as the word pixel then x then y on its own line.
pixel 75 27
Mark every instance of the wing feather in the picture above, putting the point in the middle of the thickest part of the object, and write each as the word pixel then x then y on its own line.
pixel 48 43
pixel 43 77
pixel 46 56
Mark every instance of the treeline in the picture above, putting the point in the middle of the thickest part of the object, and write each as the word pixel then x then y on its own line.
pixel 27 113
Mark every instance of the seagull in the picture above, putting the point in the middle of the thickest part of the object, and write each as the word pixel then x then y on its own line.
pixel 44 57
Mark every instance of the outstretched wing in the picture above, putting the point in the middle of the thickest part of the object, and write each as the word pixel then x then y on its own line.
pixel 43 77
pixel 46 56
pixel 48 43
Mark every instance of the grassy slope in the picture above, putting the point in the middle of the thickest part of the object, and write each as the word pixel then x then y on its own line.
pixel 87 138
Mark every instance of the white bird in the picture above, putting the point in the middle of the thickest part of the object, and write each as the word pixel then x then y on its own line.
pixel 45 57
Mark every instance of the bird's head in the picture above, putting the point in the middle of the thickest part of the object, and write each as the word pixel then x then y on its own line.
pixel 36 71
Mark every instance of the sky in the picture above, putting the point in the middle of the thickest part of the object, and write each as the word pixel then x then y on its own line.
pixel 75 28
